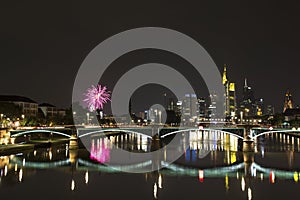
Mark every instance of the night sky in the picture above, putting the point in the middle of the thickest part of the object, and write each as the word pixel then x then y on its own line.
pixel 43 43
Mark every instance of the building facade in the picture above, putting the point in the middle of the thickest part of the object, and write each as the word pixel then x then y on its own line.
pixel 49 110
pixel 230 96
pixel 28 106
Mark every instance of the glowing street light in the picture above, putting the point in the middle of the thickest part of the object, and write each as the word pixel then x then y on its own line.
pixel 159 115
pixel 87 118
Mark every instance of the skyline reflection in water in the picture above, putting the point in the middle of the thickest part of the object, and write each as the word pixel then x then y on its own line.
pixel 211 167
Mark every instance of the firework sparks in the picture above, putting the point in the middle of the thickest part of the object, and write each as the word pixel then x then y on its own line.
pixel 96 97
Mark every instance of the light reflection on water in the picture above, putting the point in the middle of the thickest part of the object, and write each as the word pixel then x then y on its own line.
pixel 214 163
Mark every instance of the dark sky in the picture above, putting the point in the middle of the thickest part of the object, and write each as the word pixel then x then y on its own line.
pixel 43 43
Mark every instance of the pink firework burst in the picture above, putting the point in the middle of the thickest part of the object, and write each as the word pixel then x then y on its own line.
pixel 96 97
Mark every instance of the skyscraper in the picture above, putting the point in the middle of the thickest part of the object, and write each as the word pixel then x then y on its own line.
pixel 190 107
pixel 270 110
pixel 259 107
pixel 230 98
pixel 212 109
pixel 247 105
pixel 202 108
pixel 288 101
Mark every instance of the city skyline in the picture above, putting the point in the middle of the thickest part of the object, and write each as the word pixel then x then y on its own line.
pixel 42 51
pixel 165 98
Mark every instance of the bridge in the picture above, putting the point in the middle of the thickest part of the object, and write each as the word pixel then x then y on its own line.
pixel 248 137
pixel 14 134
pixel 103 131
pixel 212 132
pixel 263 132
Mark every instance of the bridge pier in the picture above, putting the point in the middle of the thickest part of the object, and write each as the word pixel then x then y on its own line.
pixel 73 144
pixel 156 159
pixel 155 143
pixel 248 144
pixel 248 160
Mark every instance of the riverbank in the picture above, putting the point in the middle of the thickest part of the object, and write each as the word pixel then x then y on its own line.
pixel 14 148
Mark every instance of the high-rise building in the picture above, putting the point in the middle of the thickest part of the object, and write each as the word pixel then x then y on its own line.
pixel 288 101
pixel 212 109
pixel 259 107
pixel 202 107
pixel 247 105
pixel 171 104
pixel 190 106
pixel 178 108
pixel 270 110
pixel 248 95
pixel 230 98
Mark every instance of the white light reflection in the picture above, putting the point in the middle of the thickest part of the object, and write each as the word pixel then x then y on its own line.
pixel 72 185
pixel 249 193
pixel 20 175
pixel 160 181
pixel 5 170
pixel 261 176
pixel 243 184
pixel 155 191
pixel 50 155
pixel 86 177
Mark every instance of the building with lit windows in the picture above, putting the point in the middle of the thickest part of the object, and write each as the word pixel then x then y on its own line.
pixel 190 107
pixel 249 106
pixel 28 106
pixel 289 111
pixel 288 101
pixel 230 97
pixel 270 110
pixel 49 110
pixel 212 109
pixel 202 108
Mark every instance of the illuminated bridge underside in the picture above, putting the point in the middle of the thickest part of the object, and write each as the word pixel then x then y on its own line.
pixel 113 130
pixel 212 131
pixel 40 131
pixel 277 131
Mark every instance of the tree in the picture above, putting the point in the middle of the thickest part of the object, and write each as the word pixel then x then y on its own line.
pixel 10 110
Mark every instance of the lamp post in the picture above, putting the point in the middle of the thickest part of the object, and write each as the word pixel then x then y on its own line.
pixel 1 115
pixel 155 115
pixel 241 113
pixel 87 118
pixel 159 116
